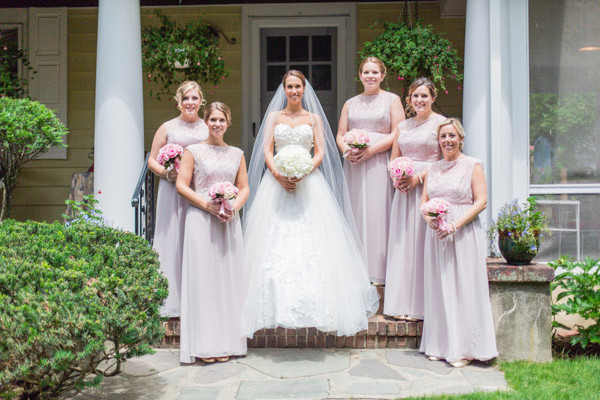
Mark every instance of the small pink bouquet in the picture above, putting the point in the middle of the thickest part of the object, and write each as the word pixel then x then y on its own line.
pixel 401 167
pixel 169 156
pixel 437 208
pixel 223 192
pixel 356 139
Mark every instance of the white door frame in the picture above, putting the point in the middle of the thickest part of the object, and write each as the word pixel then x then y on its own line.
pixel 257 16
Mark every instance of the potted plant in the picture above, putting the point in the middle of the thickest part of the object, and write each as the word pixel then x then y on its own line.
pixel 172 54
pixel 519 231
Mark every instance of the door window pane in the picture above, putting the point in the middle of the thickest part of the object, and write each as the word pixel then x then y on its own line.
pixel 321 48
pixel 298 48
pixel 274 75
pixel 304 69
pixel 9 38
pixel 276 49
pixel 321 77
pixel 564 46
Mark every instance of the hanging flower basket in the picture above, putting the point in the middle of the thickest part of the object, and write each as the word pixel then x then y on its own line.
pixel 172 54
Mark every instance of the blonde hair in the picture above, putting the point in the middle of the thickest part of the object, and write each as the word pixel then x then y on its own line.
pixel 186 87
pixel 218 106
pixel 455 122
pixel 417 83
pixel 373 60
pixel 297 74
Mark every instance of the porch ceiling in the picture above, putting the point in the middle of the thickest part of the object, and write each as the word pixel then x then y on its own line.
pixel 151 3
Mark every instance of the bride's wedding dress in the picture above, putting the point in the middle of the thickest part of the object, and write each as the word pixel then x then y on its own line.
pixel 304 267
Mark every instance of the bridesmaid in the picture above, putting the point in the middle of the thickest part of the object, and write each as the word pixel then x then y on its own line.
pixel 212 292
pixel 188 128
pixel 415 138
pixel 458 324
pixel 376 112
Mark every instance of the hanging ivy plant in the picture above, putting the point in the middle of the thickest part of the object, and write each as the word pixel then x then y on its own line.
pixel 410 52
pixel 172 54
pixel 11 83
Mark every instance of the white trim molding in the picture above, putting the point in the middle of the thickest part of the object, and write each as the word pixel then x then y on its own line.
pixel 565 188
pixel 257 16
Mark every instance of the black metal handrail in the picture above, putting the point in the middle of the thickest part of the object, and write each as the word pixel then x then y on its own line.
pixel 144 203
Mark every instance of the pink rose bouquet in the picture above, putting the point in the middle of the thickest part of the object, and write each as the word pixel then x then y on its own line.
pixel 356 139
pixel 401 167
pixel 169 156
pixel 223 192
pixel 437 208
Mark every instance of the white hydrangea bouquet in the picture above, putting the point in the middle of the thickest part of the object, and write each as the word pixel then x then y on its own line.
pixel 293 161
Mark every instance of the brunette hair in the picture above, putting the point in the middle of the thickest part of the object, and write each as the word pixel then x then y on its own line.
pixel 455 122
pixel 218 106
pixel 417 83
pixel 297 74
pixel 186 87
pixel 373 60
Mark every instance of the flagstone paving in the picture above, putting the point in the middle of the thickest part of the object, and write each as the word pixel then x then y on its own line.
pixel 295 374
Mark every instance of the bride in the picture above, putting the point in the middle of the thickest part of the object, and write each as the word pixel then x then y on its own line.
pixel 304 266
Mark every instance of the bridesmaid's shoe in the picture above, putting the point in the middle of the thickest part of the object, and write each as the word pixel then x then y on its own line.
pixel 411 319
pixel 433 358
pixel 460 363
pixel 401 317
pixel 208 360
pixel 223 359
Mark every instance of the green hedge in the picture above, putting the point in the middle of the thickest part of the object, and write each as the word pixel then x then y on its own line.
pixel 73 298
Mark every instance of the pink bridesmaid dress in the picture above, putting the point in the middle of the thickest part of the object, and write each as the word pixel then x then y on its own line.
pixel 458 314
pixel 369 187
pixel 212 293
pixel 404 272
pixel 170 216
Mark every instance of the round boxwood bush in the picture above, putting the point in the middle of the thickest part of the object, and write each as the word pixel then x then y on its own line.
pixel 75 302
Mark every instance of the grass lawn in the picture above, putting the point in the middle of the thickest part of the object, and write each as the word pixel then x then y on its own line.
pixel 568 379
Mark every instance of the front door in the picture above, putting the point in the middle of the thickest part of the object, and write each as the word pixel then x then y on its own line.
pixel 310 50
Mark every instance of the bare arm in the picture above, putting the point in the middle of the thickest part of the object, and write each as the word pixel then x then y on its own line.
pixel 342 129
pixel 241 182
pixel 268 149
pixel 159 141
pixel 432 222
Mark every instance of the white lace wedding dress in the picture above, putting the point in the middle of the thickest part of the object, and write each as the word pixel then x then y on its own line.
pixel 304 268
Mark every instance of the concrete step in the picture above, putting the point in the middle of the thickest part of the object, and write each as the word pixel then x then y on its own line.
pixel 383 332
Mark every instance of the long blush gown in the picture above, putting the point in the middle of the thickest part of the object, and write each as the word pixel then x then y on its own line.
pixel 369 187
pixel 458 315
pixel 304 266
pixel 212 296
pixel 404 272
pixel 171 210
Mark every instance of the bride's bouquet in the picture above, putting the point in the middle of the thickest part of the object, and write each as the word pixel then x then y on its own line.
pixel 437 208
pixel 401 167
pixel 169 156
pixel 293 161
pixel 356 139
pixel 223 192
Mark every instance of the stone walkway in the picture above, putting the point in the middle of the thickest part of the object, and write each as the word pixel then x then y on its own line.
pixel 296 374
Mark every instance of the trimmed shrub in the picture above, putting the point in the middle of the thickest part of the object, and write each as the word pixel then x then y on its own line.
pixel 72 299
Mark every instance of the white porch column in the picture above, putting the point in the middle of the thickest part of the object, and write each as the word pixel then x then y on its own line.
pixel 119 118
pixel 496 97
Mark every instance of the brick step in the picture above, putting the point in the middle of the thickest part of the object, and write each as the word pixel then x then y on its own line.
pixel 383 332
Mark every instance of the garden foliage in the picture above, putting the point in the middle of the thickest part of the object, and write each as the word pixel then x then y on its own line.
pixel 27 130
pixel 580 295
pixel 75 302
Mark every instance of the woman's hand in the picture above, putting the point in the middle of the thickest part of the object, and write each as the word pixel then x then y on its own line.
pixel 432 222
pixel 406 184
pixel 356 156
pixel 214 208
pixel 172 175
pixel 284 181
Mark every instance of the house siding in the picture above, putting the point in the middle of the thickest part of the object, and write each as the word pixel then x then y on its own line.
pixel 44 185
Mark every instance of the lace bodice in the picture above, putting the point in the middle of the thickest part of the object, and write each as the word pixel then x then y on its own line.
pixel 451 180
pixel 185 133
pixel 419 140
pixel 214 164
pixel 285 135
pixel 371 113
